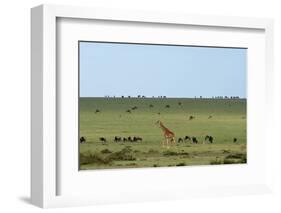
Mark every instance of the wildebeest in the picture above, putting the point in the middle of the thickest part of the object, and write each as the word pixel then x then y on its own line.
pixel 137 139
pixel 133 108
pixel 209 138
pixel 82 140
pixel 187 138
pixel 179 103
pixel 117 139
pixel 130 139
pixel 150 105
pixel 167 106
pixel 97 110
pixel 158 113
pixel 191 117
pixel 180 140
pixel 129 111
pixel 102 139
pixel 234 140
pixel 210 117
pixel 125 139
pixel 194 140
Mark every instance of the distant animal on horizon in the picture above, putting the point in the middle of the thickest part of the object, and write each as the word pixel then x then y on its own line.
pixel 97 111
pixel 234 140
pixel 82 140
pixel 191 117
pixel 134 108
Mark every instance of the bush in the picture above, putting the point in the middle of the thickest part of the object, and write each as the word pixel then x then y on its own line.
pixel 172 153
pixel 93 158
pixel 124 154
pixel 105 151
pixel 181 164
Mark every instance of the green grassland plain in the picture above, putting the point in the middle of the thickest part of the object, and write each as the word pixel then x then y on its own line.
pixel 223 119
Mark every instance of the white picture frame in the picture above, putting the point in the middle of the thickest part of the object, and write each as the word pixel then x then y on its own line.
pixel 46 167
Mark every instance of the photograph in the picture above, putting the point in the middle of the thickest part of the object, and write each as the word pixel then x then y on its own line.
pixel 147 105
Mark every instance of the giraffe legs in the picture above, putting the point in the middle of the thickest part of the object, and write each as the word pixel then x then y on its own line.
pixel 167 142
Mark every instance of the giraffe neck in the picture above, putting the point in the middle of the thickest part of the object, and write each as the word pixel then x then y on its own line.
pixel 163 127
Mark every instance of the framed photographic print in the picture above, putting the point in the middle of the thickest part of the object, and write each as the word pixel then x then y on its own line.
pixel 148 105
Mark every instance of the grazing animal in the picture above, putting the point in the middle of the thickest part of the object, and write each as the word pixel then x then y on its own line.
pixel 137 139
pixel 82 140
pixel 102 139
pixel 194 140
pixel 117 139
pixel 133 108
pixel 150 105
pixel 210 117
pixel 234 140
pixel 97 111
pixel 158 113
pixel 167 106
pixel 179 103
pixel 129 111
pixel 209 138
pixel 130 139
pixel 169 136
pixel 187 138
pixel 191 117
pixel 180 140
pixel 124 139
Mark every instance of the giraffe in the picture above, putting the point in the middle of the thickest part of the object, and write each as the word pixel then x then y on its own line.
pixel 168 134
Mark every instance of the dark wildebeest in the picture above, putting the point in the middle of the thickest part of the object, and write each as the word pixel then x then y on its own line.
pixel 124 139
pixel 158 113
pixel 150 105
pixel 209 138
pixel 234 140
pixel 179 103
pixel 133 108
pixel 180 140
pixel 187 138
pixel 102 139
pixel 117 139
pixel 130 139
pixel 191 117
pixel 82 140
pixel 167 106
pixel 129 111
pixel 194 140
pixel 97 110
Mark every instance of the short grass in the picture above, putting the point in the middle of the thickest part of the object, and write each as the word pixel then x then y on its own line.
pixel 224 119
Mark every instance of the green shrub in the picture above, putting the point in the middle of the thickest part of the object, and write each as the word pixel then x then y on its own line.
pixel 105 151
pixel 181 164
pixel 124 154
pixel 93 158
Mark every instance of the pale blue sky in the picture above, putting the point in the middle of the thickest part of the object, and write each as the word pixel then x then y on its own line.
pixel 159 70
